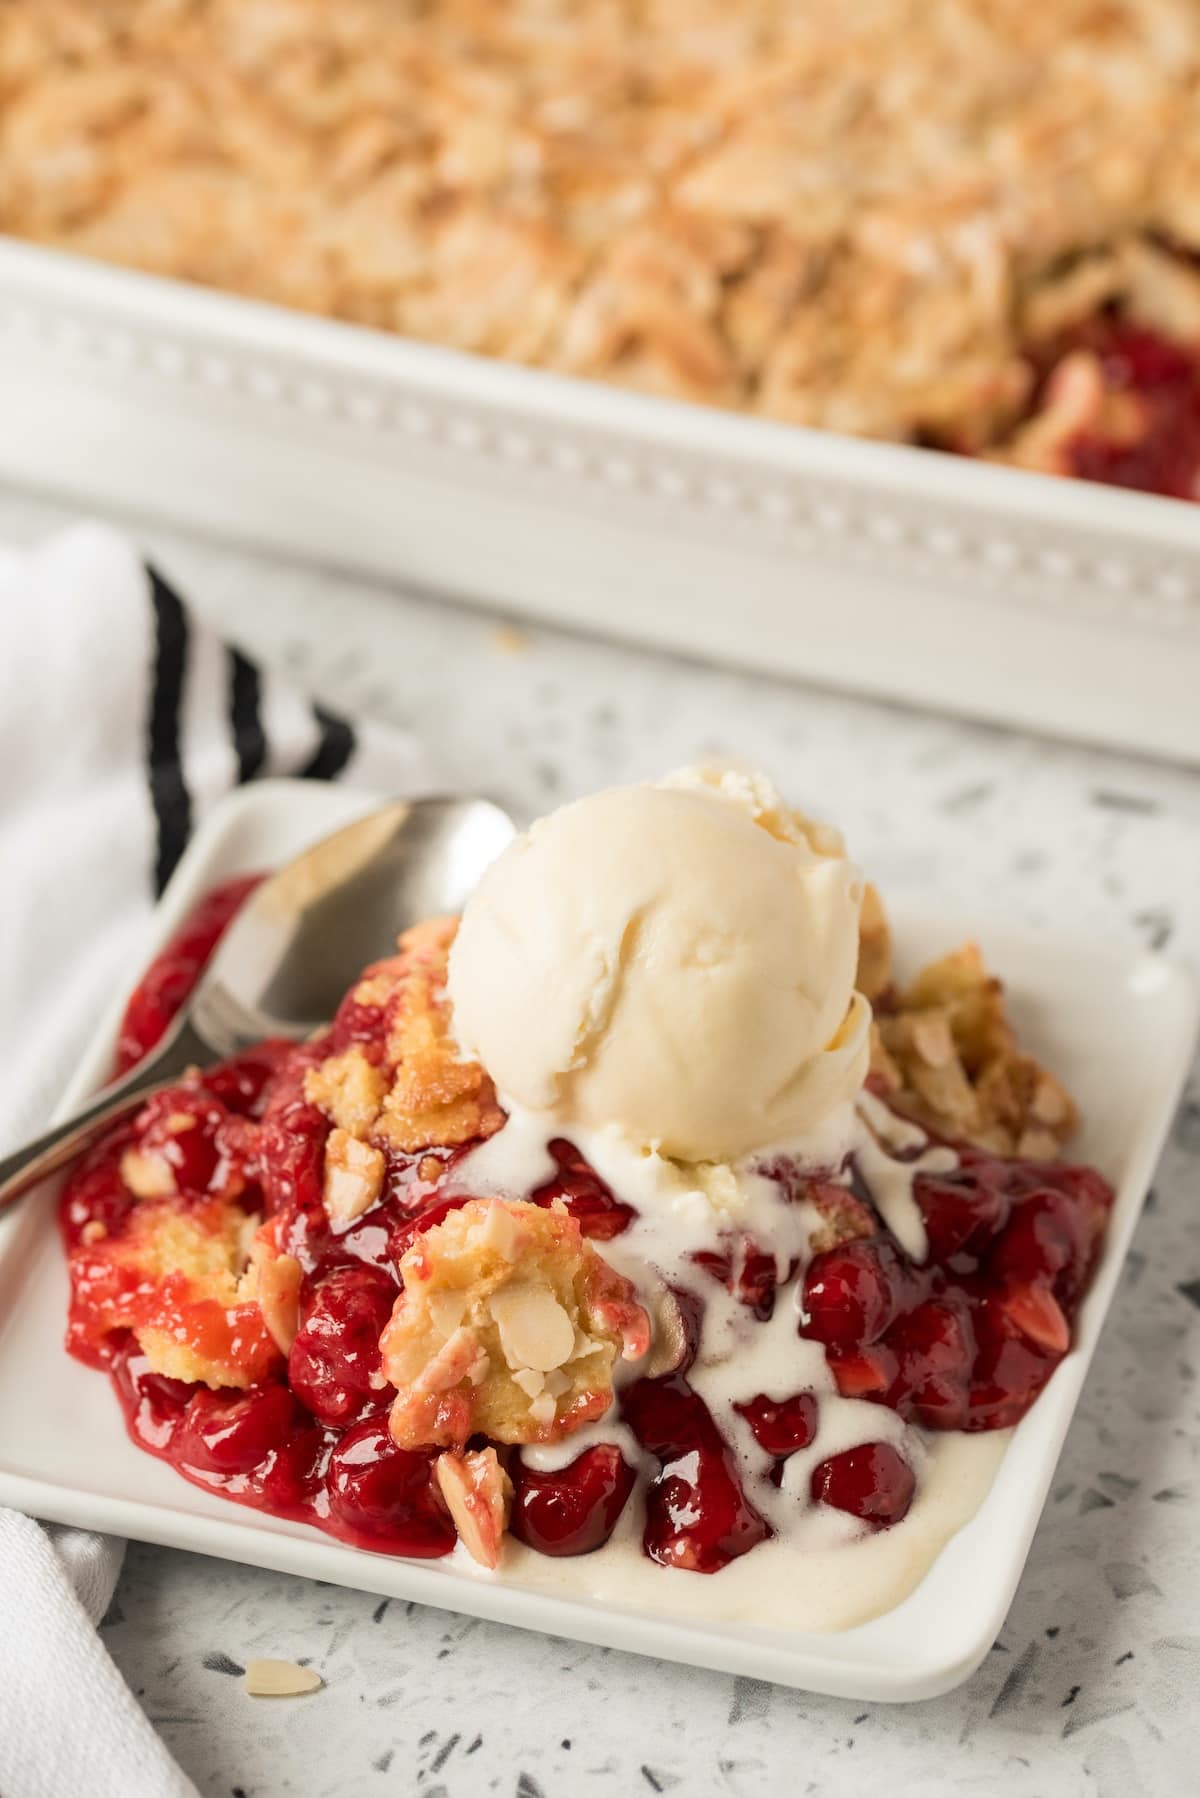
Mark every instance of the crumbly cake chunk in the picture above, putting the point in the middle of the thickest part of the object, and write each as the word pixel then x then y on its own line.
pixel 508 1326
pixel 944 1052
pixel 176 1276
pixel 417 1094
pixel 851 217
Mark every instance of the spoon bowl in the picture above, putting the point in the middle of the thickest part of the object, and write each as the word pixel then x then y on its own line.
pixel 299 941
pixel 307 932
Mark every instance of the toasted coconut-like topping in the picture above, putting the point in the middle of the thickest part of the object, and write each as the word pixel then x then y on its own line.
pixel 944 1052
pixel 855 217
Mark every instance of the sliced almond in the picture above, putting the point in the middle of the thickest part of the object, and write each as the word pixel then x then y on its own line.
pixel 501 1231
pixel 478 1493
pixel 353 1177
pixel 670 1343
pixel 932 1040
pixel 544 1409
pixel 147 1175
pixel 1039 1316
pixel 280 1679
pixel 531 1381
pixel 535 1330
pixel 447 1309
pixel 279 1279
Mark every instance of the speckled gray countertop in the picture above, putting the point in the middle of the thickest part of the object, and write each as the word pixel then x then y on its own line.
pixel 1094 1684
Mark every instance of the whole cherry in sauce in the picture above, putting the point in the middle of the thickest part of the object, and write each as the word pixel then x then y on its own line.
pixel 781 1426
pixel 873 1483
pixel 383 1497
pixel 333 1365
pixel 232 1432
pixel 963 1211
pixel 748 1272
pixel 697 1514
pixel 593 1205
pixel 852 1293
pixel 183 1127
pixel 574 1510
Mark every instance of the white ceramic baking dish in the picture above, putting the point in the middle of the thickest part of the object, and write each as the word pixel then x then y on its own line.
pixel 1055 605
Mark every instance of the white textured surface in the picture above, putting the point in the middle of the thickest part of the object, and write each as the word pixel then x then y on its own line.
pixel 1091 1688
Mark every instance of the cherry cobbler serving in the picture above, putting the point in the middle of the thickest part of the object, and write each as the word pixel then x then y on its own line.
pixel 969 223
pixel 708 1254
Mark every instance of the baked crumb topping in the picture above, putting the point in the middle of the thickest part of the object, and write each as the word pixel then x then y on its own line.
pixel 944 1052
pixel 851 217
pixel 176 1275
pixel 508 1325
pixel 421 1095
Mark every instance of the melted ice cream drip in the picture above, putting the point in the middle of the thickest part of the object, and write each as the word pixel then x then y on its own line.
pixel 823 1569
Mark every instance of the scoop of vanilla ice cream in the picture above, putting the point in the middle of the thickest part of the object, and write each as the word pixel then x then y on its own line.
pixel 675 962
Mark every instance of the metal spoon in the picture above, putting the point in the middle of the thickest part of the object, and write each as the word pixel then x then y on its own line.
pixel 300 940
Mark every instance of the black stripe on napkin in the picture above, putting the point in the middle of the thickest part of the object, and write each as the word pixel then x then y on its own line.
pixel 245 717
pixel 168 788
pixel 335 749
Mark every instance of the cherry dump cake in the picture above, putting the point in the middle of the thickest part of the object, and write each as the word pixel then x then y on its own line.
pixel 885 219
pixel 641 1220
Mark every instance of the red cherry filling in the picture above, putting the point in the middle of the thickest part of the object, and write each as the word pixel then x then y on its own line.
pixel 153 1404
pixel 874 1483
pixel 963 1211
pixel 383 1497
pixel 292 1151
pixel 94 1192
pixel 233 1432
pixel 935 1349
pixel 697 1516
pixel 241 1083
pixel 575 1510
pixel 969 1339
pixel 746 1271
pixel 206 1149
pixel 336 1352
pixel 781 1426
pixel 852 1293
pixel 590 1202
pixel 173 973
pixel 1164 377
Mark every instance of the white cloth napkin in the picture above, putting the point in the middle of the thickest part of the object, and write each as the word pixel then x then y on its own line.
pixel 122 722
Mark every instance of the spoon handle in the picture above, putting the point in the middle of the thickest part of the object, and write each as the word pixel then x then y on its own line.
pixel 181 1048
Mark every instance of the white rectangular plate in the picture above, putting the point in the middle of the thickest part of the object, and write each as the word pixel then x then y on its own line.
pixel 1117 1023
pixel 927 578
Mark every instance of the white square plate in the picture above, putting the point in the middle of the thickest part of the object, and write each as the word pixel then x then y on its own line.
pixel 1117 1023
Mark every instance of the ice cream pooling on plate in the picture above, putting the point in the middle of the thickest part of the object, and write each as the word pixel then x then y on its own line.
pixel 674 962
